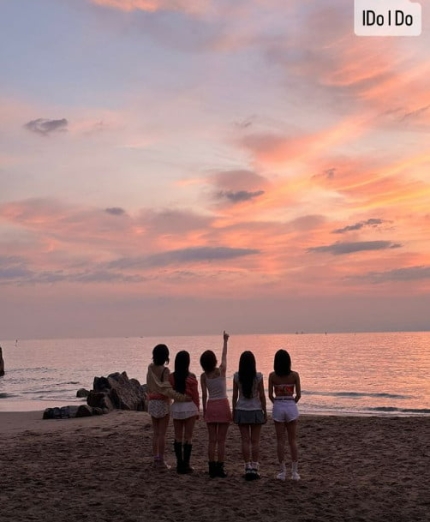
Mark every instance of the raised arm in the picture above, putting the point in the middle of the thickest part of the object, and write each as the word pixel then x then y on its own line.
pixel 223 365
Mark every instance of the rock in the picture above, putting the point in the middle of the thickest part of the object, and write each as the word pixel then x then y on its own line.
pixel 99 400
pixel 82 392
pixel 84 411
pixel 117 391
pixel 101 384
pixel 48 413
pixel 65 412
pixel 1 363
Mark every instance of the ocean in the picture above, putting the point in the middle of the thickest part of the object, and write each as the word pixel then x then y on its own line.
pixel 341 374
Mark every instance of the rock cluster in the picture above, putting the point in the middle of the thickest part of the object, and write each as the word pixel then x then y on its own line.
pixel 116 391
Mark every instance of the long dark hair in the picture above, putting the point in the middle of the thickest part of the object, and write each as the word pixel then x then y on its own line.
pixel 247 373
pixel 282 363
pixel 182 364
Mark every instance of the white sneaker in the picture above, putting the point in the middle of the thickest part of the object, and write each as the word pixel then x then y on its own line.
pixel 282 475
pixel 295 475
pixel 164 465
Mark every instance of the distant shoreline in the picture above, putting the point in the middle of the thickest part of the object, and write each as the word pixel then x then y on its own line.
pixel 216 334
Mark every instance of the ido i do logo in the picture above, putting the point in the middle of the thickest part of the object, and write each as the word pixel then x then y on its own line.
pixel 387 18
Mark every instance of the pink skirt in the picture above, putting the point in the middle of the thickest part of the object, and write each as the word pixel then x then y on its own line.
pixel 218 410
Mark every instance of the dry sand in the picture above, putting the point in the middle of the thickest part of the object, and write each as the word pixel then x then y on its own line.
pixel 100 469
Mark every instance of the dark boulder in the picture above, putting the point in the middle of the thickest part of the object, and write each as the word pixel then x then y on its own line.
pixel 84 411
pixel 117 391
pixel 101 384
pixel 65 412
pixel 99 400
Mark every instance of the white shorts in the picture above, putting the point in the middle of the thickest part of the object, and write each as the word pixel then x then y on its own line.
pixel 285 410
pixel 183 410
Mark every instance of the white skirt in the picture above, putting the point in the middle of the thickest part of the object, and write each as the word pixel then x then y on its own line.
pixel 183 410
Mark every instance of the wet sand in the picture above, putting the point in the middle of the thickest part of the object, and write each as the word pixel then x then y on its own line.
pixel 100 469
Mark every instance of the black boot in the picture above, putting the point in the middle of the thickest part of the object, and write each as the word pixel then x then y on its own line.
pixel 212 469
pixel 187 456
pixel 220 472
pixel 177 446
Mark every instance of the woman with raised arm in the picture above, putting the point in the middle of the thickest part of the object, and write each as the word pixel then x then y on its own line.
pixel 216 409
pixel 184 414
pixel 285 393
pixel 249 411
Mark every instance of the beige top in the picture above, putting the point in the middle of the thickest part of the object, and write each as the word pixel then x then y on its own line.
pixel 163 387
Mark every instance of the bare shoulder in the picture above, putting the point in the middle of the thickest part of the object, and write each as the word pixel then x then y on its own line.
pixel 192 375
pixel 296 375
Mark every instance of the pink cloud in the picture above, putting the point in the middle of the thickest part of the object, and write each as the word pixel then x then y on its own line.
pixel 197 6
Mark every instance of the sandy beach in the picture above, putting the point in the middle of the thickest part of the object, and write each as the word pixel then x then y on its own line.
pixel 100 469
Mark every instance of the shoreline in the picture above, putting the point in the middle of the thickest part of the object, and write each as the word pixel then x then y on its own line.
pixel 367 469
pixel 25 407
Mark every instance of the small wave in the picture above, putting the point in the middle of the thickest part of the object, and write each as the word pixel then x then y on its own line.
pixel 65 383
pixel 47 391
pixel 390 409
pixel 7 395
pixel 358 395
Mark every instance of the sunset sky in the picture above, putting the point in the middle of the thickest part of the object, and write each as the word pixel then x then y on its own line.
pixel 183 167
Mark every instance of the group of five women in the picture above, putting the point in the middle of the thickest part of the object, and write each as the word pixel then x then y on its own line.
pixel 248 402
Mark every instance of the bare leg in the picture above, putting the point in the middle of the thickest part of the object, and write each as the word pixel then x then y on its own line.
pixel 163 424
pixel 221 438
pixel 246 442
pixel 155 436
pixel 188 429
pixel 280 441
pixel 178 428
pixel 212 432
pixel 255 441
pixel 292 433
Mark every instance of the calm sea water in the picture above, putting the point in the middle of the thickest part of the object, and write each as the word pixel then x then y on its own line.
pixel 366 373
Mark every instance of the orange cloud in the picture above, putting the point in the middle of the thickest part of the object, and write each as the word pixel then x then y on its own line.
pixel 275 149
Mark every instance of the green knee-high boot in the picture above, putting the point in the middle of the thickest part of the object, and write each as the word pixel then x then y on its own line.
pixel 187 455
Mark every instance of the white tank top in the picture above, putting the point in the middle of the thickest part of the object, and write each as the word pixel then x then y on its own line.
pixel 216 388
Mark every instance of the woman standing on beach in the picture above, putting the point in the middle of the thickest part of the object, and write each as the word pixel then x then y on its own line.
pixel 249 411
pixel 285 393
pixel 160 392
pixel 184 414
pixel 216 409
